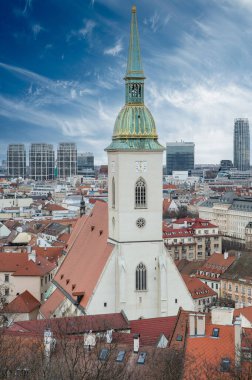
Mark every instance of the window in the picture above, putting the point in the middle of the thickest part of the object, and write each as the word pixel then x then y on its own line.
pixel 216 286
pixel 236 289
pixel 6 278
pixel 41 281
pixel 215 332
pixel 176 300
pixel 6 291
pixel 249 291
pixel 141 358
pixel 113 192
pixel 141 283
pixel 105 304
pixel 140 194
pixel 229 286
pixel 225 365
pixel 120 356
pixel 103 355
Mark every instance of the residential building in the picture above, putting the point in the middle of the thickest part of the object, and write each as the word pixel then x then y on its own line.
pixel 230 213
pixel 213 268
pixel 25 271
pixel 203 296
pixel 41 162
pixel 241 144
pixel 24 307
pixel 67 160
pixel 125 268
pixel 85 164
pixel 236 282
pixel 196 240
pixel 16 160
pixel 179 156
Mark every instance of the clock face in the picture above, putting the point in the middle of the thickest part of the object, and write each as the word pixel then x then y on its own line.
pixel 141 166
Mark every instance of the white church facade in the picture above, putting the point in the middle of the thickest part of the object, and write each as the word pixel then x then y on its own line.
pixel 116 257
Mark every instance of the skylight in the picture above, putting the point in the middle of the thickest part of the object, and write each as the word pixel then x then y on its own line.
pixel 120 356
pixel 104 354
pixel 141 358
pixel 215 332
pixel 225 365
pixel 179 338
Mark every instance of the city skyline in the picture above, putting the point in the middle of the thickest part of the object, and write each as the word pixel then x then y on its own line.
pixel 63 77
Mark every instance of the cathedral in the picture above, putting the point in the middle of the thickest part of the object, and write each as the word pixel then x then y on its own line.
pixel 116 259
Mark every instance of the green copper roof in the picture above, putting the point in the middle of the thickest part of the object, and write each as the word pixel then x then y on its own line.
pixel 134 127
pixel 134 121
pixel 134 66
pixel 135 144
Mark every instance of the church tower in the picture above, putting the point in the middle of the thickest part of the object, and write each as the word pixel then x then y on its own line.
pixel 135 160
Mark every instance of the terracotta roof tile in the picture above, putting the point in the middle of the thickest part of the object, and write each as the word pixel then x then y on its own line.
pixel 24 303
pixel 204 354
pixel 87 255
pixel 51 304
pixel 197 288
pixel 245 311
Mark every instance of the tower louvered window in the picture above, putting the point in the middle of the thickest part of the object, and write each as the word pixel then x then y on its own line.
pixel 140 194
pixel 141 277
pixel 113 192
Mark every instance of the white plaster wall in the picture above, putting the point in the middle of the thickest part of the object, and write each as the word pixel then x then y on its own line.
pixel 177 290
pixel 30 283
pixel 125 214
pixel 105 290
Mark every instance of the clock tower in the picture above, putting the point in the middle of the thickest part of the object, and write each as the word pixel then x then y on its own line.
pixel 135 160
pixel 135 170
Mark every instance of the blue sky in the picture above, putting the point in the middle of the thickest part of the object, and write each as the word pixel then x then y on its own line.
pixel 62 64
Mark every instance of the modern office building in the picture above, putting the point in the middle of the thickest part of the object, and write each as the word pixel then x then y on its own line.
pixel 67 160
pixel 41 160
pixel 179 156
pixel 86 164
pixel 241 144
pixel 16 160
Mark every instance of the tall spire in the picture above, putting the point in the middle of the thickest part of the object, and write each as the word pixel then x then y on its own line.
pixel 134 66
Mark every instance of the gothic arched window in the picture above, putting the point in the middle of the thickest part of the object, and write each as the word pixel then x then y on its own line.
pixel 140 194
pixel 113 192
pixel 141 277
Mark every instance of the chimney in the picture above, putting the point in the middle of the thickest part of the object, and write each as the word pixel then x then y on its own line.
pixel 47 342
pixel 225 255
pixel 201 324
pixel 238 336
pixel 192 327
pixel 136 342
pixel 109 336
pixel 32 256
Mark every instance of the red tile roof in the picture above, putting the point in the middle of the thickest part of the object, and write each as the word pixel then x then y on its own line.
pixel 88 253
pixel 150 329
pixel 203 354
pixel 217 259
pixel 197 288
pixel 49 307
pixel 24 303
pixel 19 265
pixel 74 325
pixel 53 207
pixel 52 254
pixel 245 311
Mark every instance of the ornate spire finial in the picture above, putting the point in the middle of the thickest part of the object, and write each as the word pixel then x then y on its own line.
pixel 134 65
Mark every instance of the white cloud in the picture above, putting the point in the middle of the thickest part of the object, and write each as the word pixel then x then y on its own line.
pixel 115 50
pixel 36 29
pixel 84 32
pixel 27 7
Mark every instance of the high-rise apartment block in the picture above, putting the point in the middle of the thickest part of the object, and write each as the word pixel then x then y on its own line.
pixel 41 159
pixel 67 160
pixel 179 156
pixel 16 160
pixel 241 144
pixel 86 164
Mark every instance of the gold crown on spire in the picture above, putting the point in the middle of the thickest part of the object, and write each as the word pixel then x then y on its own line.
pixel 133 10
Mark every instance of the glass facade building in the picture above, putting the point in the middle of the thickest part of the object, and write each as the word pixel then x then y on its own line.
pixel 179 156
pixel 67 160
pixel 16 160
pixel 241 144
pixel 86 164
pixel 41 160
